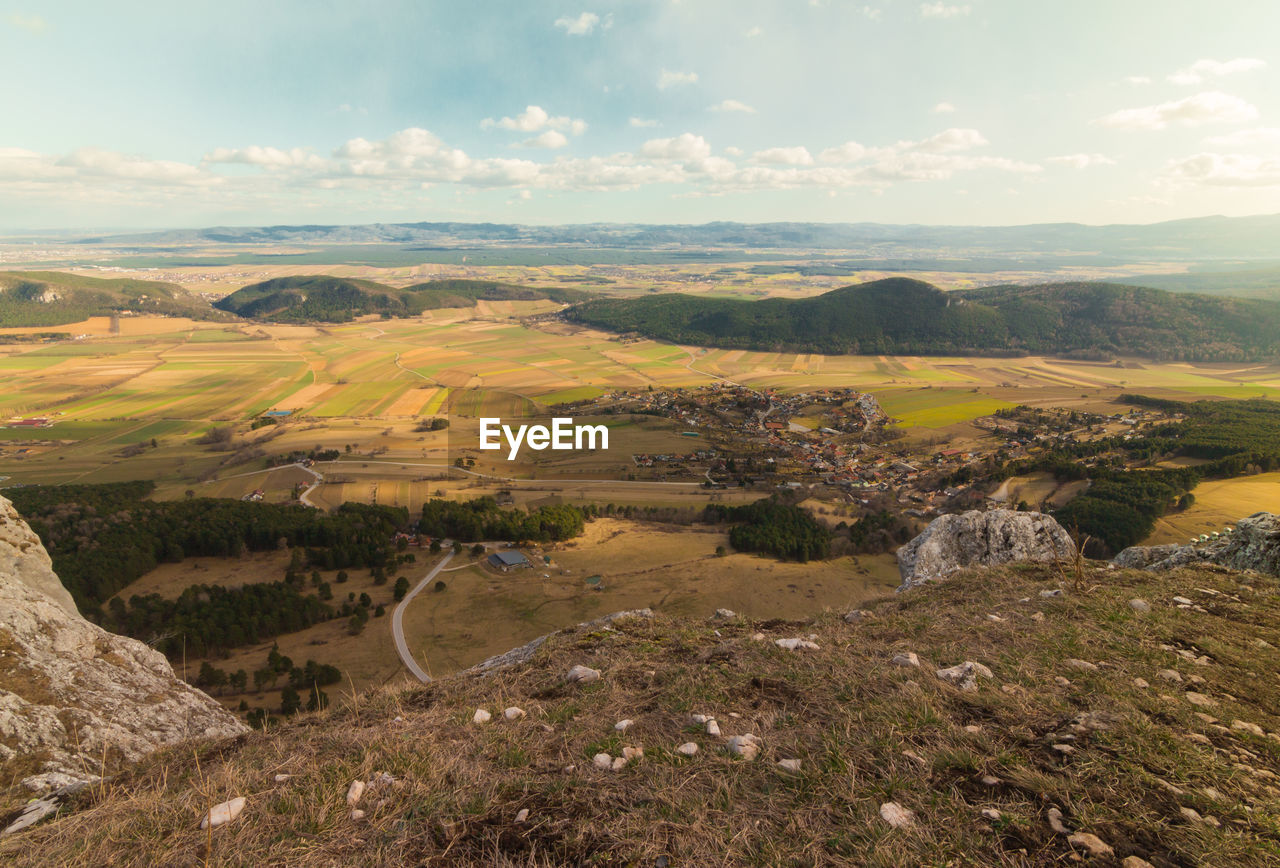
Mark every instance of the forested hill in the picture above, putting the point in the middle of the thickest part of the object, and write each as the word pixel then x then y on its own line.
pixel 40 298
pixel 905 316
pixel 320 298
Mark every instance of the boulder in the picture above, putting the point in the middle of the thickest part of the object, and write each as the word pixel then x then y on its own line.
pixel 1254 544
pixel 978 538
pixel 72 694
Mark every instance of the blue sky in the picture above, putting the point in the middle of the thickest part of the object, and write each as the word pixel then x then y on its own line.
pixel 134 114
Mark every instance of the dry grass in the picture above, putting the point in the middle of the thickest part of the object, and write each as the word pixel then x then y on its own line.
pixel 866 731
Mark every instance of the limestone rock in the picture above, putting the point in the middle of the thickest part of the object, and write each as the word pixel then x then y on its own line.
pixel 907 659
pixel 981 538
pixel 72 693
pixel 965 675
pixel 624 725
pixel 481 716
pixel 513 713
pixel 223 813
pixel 796 644
pixel 1254 544
pixel 1135 862
pixel 896 815
pixel 789 766
pixel 1139 605
pixel 355 792
pixel 602 761
pixel 583 674
pixel 725 614
pixel 1092 844
pixel 745 746
pixel 687 749
pixel 522 815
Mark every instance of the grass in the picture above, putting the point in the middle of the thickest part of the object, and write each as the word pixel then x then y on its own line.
pixel 866 731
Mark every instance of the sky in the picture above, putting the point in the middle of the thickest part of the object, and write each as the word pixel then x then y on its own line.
pixel 994 112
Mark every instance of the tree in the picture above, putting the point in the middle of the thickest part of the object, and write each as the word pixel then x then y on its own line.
pixel 401 588
pixel 239 680
pixel 341 577
pixel 720 551
pixel 290 701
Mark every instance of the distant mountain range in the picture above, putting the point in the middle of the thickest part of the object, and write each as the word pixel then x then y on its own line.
pixel 1191 239
pixel 320 298
pixel 911 317
pixel 40 298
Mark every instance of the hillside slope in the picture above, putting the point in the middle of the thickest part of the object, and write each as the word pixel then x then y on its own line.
pixel 322 298
pixel 40 298
pixel 906 316
pixel 1155 732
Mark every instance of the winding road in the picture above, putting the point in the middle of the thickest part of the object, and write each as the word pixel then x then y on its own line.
pixel 397 621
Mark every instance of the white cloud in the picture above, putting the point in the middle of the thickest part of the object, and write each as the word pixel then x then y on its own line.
pixel 732 105
pixel 1210 107
pixel 265 157
pixel 849 152
pixel 1224 170
pixel 668 79
pixel 871 13
pixel 686 146
pixel 1257 137
pixel 953 139
pixel 794 156
pixel 943 10
pixel 642 122
pixel 96 162
pixel 535 118
pixel 1082 161
pixel 733 151
pixel 584 24
pixel 1202 69
pixel 551 139
pixel 1137 79
pixel 944 108
pixel 30 23
pixel 754 32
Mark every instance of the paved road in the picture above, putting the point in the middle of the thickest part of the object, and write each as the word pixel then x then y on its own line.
pixel 397 621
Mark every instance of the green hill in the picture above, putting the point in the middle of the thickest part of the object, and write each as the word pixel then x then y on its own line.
pixel 905 316
pixel 40 298
pixel 321 298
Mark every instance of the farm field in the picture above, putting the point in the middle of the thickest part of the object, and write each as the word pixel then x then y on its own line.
pixel 1219 502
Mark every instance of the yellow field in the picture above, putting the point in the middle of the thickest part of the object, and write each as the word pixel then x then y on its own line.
pixel 1219 502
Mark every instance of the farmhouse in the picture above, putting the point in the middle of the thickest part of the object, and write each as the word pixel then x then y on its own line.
pixel 509 561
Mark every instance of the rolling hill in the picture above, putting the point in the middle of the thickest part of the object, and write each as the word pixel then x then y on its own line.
pixel 911 317
pixel 321 298
pixel 42 298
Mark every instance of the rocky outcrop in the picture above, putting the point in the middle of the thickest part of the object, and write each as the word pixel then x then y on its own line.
pixel 977 538
pixel 1254 544
pixel 525 652
pixel 75 700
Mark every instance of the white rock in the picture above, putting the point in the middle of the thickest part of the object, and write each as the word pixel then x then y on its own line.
pixel 1135 862
pixel 280 779
pixel 896 815
pixel 1141 683
pixel 619 763
pixel 1182 601
pixel 481 716
pixel 1246 726
pixel 632 753
pixel 699 718
pixel 990 814
pixel 796 644
pixel 725 614
pixel 1055 822
pixel 1198 699
pixel 790 766
pixel 1048 595
pixel 973 729
pixel 965 675
pixel 981 538
pixel 354 792
pixel 1037 617
pixel 907 659
pixel 357 814
pixel 522 815
pixel 713 728
pixel 758 637
pixel 990 781
pixel 602 761
pixel 584 674
pixel 1169 675
pixel 1061 682
pixel 687 749
pixel 222 813
pixel 624 725
pixel 1091 844
pixel 1139 605
pixel 745 746
pixel 1082 665
pixel 513 713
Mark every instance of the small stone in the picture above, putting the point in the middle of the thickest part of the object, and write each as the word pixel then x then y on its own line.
pixel 1091 844
pixel 1207 718
pixel 1141 683
pixel 915 757
pixel 546 727
pixel 632 753
pixel 996 618
pixel 280 779
pixel 1176 790
pixel 724 614
pixel 1055 822
pixel 796 644
pixel 990 781
pixel 513 713
pixel 1048 595
pixel 1064 749
pixel 734 715
pixel 602 761
pixel 1037 617
pixel 713 728
pixel 856 616
pixel 1139 605
pixel 991 814
pixel 569 769
pixel 789 766
pixel 522 815
pixel 973 729
pixel 699 718
pixel 746 747
pixel 624 725
pixel 354 792
pixel 584 674
pixel 1196 679
pixel 1191 814
pixel 1199 738
pixel 481 716
pixel 1135 862
pixel 1169 675
pixel 1198 699
pixel 687 749
pixel 1182 601
pixel 1246 726
pixel 1213 794
pixel 897 816
pixel 964 675
pixel 619 763
pixel 907 659
pixel 758 637
pixel 1061 682
pixel 222 813
pixel 357 814
pixel 1082 665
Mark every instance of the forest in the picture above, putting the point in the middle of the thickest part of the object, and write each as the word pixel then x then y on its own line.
pixel 483 519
